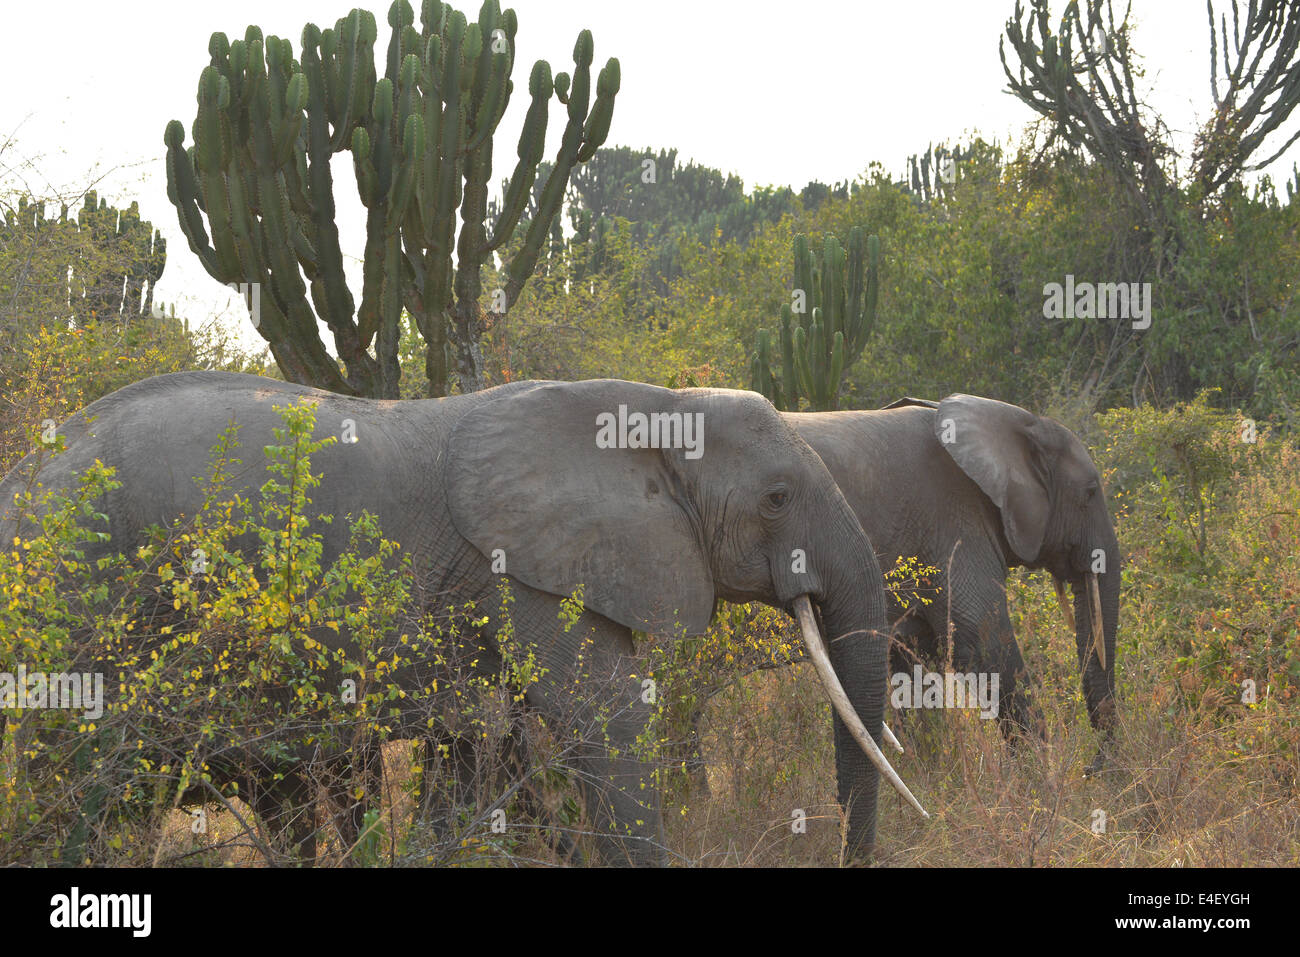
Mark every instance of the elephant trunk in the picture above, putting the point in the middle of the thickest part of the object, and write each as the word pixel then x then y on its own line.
pixel 844 708
pixel 854 650
pixel 1096 620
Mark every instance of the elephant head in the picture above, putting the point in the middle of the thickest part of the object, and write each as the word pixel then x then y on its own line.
pixel 1054 516
pixel 659 502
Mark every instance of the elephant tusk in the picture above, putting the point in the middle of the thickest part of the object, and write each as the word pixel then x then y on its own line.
pixel 1098 637
pixel 889 737
pixel 840 700
pixel 1064 602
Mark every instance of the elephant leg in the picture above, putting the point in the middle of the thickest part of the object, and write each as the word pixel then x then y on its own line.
pixel 591 695
pixel 447 773
pixel 912 640
pixel 287 811
pixel 518 766
pixel 362 769
pixel 984 644
pixel 1016 716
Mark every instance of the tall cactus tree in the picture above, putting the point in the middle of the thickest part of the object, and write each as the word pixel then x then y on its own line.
pixel 825 325
pixel 257 181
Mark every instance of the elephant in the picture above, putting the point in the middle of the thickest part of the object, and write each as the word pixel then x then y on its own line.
pixel 974 487
pixel 562 485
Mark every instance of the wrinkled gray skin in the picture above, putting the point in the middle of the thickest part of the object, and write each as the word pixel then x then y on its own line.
pixel 654 537
pixel 1009 489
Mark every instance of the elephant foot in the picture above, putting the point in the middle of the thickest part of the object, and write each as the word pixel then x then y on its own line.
pixel 1103 719
pixel 1101 760
pixel 1097 764
pixel 1021 723
pixel 565 848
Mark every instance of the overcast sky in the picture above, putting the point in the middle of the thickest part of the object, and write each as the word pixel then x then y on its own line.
pixel 779 93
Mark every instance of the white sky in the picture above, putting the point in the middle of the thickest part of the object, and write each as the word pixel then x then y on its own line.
pixel 779 93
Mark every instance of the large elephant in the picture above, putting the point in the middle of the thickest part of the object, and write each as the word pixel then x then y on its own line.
pixel 658 502
pixel 974 487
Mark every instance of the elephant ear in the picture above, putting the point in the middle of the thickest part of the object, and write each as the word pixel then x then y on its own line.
pixel 526 477
pixel 998 445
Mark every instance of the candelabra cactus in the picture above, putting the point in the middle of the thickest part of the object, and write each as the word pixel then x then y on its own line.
pixel 760 372
pixel 825 325
pixel 945 162
pixel 421 143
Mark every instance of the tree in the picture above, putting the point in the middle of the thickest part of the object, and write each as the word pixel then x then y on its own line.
pixel 658 197
pixel 421 139
pixel 1081 79
pixel 945 161
pixel 1261 77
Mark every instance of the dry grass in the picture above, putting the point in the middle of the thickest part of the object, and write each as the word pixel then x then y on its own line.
pixel 1178 791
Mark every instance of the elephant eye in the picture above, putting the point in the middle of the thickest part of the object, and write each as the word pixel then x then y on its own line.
pixel 777 498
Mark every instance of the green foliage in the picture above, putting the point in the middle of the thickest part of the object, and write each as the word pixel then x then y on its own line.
pixel 234 648
pixel 1176 463
pixel 909 581
pixel 370 847
pixel 963 292
pixel 662 201
pixel 1208 521
pixel 421 139
pixel 78 317
pixel 945 161
pixel 615 322
pixel 202 652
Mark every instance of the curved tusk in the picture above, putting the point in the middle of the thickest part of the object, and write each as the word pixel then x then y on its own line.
pixel 1098 636
pixel 1064 602
pixel 840 700
pixel 889 737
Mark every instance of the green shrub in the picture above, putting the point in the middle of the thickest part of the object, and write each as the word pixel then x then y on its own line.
pixel 212 666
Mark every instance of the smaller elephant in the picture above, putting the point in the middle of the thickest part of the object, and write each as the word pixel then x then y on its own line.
pixel 974 487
